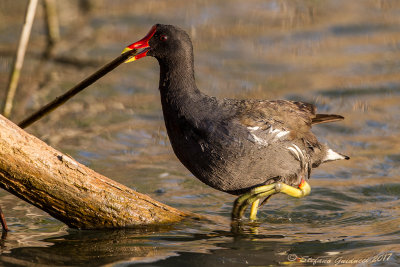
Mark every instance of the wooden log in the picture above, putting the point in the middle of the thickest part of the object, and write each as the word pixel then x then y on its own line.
pixel 68 190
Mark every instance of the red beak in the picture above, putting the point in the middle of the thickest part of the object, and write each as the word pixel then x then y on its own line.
pixel 142 46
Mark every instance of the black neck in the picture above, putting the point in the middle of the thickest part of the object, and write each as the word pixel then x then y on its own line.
pixel 177 76
pixel 179 94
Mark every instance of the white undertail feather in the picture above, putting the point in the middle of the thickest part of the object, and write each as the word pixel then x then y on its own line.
pixel 332 155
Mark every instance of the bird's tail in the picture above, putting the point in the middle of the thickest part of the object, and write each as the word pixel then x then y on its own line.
pixel 324 118
pixel 333 155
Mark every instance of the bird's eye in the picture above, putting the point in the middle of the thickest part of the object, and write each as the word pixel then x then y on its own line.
pixel 163 38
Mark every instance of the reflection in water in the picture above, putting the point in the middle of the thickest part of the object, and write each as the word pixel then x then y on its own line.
pixel 341 55
pixel 88 247
pixel 175 247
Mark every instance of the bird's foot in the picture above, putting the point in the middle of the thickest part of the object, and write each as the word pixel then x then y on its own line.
pixel 242 202
pixel 253 197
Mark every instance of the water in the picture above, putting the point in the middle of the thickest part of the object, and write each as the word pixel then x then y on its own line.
pixel 342 56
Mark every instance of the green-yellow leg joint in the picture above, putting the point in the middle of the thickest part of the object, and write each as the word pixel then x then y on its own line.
pixel 243 198
pixel 240 206
pixel 303 190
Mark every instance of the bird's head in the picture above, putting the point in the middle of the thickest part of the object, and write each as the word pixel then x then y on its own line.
pixel 162 42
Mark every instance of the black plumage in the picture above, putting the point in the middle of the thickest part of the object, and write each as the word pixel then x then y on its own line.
pixel 232 145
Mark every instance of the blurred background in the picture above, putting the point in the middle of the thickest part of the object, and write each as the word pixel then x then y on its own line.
pixel 343 56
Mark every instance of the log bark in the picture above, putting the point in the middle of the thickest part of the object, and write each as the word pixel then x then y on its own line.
pixel 68 190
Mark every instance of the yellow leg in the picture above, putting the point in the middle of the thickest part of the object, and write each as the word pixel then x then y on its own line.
pixel 303 190
pixel 253 210
pixel 253 197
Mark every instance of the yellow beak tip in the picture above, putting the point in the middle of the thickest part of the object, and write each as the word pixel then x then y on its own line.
pixel 130 59
pixel 126 49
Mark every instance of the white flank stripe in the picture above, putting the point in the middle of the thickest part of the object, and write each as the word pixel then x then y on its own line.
pixel 298 149
pixel 259 140
pixel 282 134
pixel 295 152
pixel 268 136
pixel 253 128
pixel 278 133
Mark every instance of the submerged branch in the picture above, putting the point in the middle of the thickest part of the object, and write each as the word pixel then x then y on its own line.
pixel 76 89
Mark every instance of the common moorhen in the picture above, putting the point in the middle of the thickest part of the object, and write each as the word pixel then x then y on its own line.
pixel 253 148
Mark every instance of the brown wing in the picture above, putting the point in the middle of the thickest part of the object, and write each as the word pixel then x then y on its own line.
pixel 292 116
